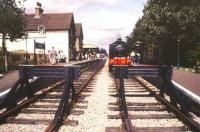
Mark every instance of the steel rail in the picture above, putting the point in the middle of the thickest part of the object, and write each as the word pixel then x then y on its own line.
pixel 81 89
pixel 187 120
pixel 52 125
pixel 127 124
pixel 4 115
pixel 9 112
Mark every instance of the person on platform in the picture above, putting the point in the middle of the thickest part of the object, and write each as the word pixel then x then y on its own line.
pixel 133 57
pixel 58 58
pixel 63 58
pixel 53 55
pixel 138 58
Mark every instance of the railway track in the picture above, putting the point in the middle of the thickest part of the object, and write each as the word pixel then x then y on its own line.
pixel 37 113
pixel 98 108
pixel 145 112
pixel 142 107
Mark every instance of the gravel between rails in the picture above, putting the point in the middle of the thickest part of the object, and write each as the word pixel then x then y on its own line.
pixel 162 123
pixel 22 128
pixel 95 118
pixel 28 122
pixel 37 116
pixel 157 123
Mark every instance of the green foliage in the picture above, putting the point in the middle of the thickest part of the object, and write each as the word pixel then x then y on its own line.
pixel 169 22
pixel 198 63
pixel 103 51
pixel 12 23
pixel 193 56
pixel 2 70
pixel 12 20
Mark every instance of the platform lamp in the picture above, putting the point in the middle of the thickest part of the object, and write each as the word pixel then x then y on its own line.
pixel 42 32
pixel 178 48
pixel 178 65
pixel 137 46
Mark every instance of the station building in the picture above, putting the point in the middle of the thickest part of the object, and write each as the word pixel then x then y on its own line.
pixel 51 29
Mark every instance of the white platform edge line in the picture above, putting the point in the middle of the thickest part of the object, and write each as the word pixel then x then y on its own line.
pixel 6 91
pixel 194 96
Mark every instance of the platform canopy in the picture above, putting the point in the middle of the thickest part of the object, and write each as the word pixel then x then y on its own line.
pixel 90 46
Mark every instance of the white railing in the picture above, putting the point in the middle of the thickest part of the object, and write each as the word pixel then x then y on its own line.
pixel 187 92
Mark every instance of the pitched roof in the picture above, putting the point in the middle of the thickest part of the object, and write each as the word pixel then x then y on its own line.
pixel 90 46
pixel 59 21
pixel 78 29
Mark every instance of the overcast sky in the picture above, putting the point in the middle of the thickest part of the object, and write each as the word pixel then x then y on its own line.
pixel 103 20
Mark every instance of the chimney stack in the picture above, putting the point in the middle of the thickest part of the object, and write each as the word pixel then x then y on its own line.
pixel 38 10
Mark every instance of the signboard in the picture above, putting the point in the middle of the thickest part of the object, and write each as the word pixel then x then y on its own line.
pixel 39 45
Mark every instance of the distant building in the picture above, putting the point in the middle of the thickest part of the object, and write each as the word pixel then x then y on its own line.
pixel 79 38
pixel 55 29
pixel 90 48
pixel 90 51
pixel 150 53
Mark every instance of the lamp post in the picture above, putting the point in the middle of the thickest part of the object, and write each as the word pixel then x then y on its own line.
pixel 26 50
pixel 138 51
pixel 42 31
pixel 178 55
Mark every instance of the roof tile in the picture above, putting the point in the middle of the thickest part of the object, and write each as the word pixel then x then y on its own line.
pixel 59 21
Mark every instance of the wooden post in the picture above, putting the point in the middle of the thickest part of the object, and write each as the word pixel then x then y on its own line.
pixel 44 52
pixel 34 54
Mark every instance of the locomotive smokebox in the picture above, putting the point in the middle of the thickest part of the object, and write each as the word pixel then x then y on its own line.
pixel 118 49
pixel 119 54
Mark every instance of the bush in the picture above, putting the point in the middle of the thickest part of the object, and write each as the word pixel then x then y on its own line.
pixel 198 63
pixel 2 70
pixel 197 67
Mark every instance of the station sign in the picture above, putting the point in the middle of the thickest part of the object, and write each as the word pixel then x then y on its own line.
pixel 39 45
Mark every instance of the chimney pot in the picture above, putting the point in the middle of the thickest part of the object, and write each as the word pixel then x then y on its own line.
pixel 38 10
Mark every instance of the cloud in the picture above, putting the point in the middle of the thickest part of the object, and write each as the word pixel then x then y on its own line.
pixel 103 20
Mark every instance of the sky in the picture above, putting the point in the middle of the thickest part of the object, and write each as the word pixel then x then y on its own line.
pixel 103 20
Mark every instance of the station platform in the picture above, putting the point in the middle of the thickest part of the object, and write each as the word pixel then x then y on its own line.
pixel 190 81
pixel 8 80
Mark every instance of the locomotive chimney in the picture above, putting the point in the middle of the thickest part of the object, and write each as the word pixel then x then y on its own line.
pixel 38 10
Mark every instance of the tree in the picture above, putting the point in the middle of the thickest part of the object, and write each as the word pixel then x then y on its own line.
pixel 12 23
pixel 170 22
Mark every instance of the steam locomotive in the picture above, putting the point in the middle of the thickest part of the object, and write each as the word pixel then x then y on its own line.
pixel 119 54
